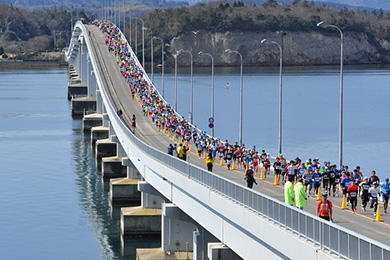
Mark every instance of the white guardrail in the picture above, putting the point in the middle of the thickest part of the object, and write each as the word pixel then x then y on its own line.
pixel 329 236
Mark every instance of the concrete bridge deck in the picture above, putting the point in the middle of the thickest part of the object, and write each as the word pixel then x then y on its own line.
pixel 119 92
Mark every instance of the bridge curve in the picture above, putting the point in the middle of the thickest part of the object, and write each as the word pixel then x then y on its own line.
pixel 247 221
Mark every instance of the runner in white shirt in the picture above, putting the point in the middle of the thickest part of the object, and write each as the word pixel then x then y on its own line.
pixel 374 194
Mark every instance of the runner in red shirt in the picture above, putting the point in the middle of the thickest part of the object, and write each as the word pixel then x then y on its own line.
pixel 255 162
pixel 352 192
pixel 324 208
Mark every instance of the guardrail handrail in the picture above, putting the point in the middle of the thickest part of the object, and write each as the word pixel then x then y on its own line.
pixel 338 240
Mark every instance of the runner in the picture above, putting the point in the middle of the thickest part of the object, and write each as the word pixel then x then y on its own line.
pixel 324 208
pixel 277 168
pixel 292 171
pixel 308 180
pixel 332 179
pixel 255 163
pixel 345 183
pixel 133 123
pixel 316 180
pixel 385 187
pixel 374 194
pixel 364 187
pixel 229 158
pixel 352 194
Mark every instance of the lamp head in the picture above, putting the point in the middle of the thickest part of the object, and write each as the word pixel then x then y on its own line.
pixel 228 50
pixel 201 52
pixel 320 23
pixel 263 40
pixel 168 45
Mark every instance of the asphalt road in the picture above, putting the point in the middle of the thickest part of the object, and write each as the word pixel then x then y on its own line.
pixel 120 95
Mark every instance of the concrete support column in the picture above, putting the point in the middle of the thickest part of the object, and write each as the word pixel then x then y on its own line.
pixel 83 63
pixel 132 172
pixel 150 197
pixel 106 120
pixel 201 239
pixel 99 102
pixel 219 251
pixel 91 78
pixel 177 229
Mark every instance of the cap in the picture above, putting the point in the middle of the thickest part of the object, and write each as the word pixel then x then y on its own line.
pixel 387 179
pixel 251 167
pixel 365 178
pixel 325 193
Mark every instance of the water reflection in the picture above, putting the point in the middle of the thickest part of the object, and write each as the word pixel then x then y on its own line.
pixel 103 217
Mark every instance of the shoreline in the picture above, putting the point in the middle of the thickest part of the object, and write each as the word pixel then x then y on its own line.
pixel 9 64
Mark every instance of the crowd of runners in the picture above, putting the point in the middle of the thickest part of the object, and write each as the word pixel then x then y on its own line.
pixel 313 176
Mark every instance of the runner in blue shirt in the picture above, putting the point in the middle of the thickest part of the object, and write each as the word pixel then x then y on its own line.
pixel 385 187
pixel 301 170
pixel 316 180
pixel 345 183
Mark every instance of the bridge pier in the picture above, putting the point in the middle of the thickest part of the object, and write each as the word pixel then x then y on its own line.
pixel 98 133
pixel 124 190
pixel 149 213
pixel 105 148
pixel 77 91
pixel 83 104
pixel 112 166
pixel 92 120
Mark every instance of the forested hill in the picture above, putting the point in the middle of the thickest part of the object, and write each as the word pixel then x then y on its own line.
pixel 271 16
pixel 23 31
pixel 215 27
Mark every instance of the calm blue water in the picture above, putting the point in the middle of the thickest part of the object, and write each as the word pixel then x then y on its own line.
pixel 54 202
pixel 310 110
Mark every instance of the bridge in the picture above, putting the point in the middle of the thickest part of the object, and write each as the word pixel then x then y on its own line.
pixel 212 214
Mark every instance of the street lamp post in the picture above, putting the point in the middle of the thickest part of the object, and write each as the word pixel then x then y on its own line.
pixel 341 89
pixel 241 94
pixel 212 86
pixel 192 89
pixel 151 51
pixel 162 63
pixel 280 91
pixel 176 54
pixel 143 42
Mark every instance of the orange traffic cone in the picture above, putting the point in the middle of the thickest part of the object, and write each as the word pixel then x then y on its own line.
pixel 276 180
pixel 197 152
pixel 169 133
pixel 261 175
pixel 190 149
pixel 233 166
pixel 319 193
pixel 378 214
pixel 221 162
pixel 344 203
pixel 173 139
pixel 295 183
pixel 204 155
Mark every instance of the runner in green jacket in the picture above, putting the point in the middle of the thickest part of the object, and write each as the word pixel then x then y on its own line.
pixel 300 194
pixel 289 193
